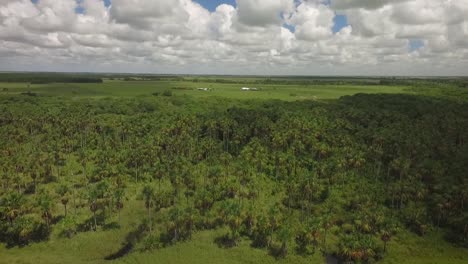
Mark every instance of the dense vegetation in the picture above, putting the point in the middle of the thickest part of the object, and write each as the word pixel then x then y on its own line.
pixel 338 177
pixel 44 78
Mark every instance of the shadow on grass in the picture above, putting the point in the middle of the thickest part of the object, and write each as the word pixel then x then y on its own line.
pixel 110 226
pixel 130 240
pixel 88 224
pixel 226 241
pixel 277 251
pixel 121 252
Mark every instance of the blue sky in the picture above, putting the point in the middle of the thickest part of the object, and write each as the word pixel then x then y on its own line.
pixel 244 40
pixel 212 4
pixel 415 44
pixel 340 21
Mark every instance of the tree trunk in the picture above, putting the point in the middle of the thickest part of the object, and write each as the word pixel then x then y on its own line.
pixel 465 231
pixel 95 222
pixel 149 219
pixel 104 215
pixel 325 240
pixel 401 190
pixel 47 221
pixel 84 171
pixel 74 202
pixel 284 249
pixel 378 171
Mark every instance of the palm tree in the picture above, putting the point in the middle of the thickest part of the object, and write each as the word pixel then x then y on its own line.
pixel 274 221
pixel 249 217
pixel 225 159
pixel 34 173
pixel 63 191
pixel 119 194
pixel 92 199
pixel 284 235
pixel 11 205
pixel 308 234
pixel 159 172
pixel 174 225
pixel 45 205
pixel 385 236
pixel 190 214
pixel 83 159
pixel 148 193
pixel 234 223
pixel 59 160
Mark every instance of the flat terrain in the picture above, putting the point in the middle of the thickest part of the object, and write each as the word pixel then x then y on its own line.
pixel 113 88
pixel 93 247
pixel 116 115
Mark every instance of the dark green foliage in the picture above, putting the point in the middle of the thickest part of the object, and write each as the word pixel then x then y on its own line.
pixel 339 176
pixel 167 93
pixel 43 78
pixel 358 247
pixel 22 231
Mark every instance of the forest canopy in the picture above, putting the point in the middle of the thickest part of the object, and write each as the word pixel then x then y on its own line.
pixel 339 177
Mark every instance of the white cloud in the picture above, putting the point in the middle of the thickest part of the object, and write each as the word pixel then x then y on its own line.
pixel 312 21
pixel 262 12
pixel 362 4
pixel 52 16
pixel 176 36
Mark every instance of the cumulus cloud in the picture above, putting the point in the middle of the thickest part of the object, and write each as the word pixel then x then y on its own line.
pixel 313 21
pixel 262 12
pixel 364 4
pixel 253 37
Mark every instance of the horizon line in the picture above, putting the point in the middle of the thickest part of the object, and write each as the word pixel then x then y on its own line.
pixel 239 75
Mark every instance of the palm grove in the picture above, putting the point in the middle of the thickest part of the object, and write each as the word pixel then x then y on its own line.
pixel 340 178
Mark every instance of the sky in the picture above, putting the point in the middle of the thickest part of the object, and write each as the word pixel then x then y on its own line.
pixel 258 37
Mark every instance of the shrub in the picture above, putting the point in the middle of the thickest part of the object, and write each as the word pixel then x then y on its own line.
pixel 24 230
pixel 69 227
pixel 167 93
pixel 152 242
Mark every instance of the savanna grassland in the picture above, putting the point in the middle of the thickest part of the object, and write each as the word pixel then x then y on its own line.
pixel 150 169
pixel 227 88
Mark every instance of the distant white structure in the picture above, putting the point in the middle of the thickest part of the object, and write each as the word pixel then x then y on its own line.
pixel 203 89
pixel 248 89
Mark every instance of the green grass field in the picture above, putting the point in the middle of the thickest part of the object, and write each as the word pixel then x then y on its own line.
pixel 93 247
pixel 146 88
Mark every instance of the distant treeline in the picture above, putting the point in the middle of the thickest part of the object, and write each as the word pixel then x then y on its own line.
pixel 40 78
pixel 334 81
pixel 148 78
pixel 48 78
pixel 66 80
pixel 461 83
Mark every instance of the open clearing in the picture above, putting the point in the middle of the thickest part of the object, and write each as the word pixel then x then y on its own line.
pixel 290 92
